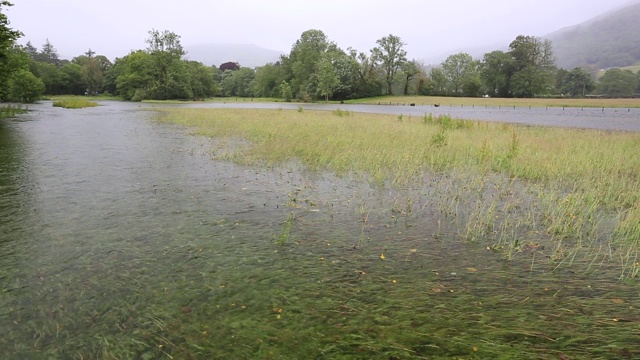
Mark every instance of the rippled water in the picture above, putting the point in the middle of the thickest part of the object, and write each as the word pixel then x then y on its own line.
pixel 121 238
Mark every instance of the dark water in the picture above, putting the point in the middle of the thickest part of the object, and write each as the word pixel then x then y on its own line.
pixel 121 239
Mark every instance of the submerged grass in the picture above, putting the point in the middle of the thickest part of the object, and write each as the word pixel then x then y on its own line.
pixel 74 103
pixel 7 111
pixel 580 187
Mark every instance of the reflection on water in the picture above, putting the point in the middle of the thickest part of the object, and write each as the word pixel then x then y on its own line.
pixel 121 238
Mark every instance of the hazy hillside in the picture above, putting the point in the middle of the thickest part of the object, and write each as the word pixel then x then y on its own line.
pixel 610 40
pixel 244 54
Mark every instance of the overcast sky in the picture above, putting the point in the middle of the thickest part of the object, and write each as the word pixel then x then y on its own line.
pixel 430 28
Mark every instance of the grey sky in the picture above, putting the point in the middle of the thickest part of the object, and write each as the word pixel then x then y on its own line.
pixel 430 28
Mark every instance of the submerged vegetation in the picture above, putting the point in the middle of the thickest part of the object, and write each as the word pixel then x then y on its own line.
pixel 11 110
pixel 74 103
pixel 575 192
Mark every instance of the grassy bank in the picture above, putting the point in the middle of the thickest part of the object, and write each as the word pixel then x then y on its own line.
pixel 7 111
pixel 579 189
pixel 495 102
pixel 74 103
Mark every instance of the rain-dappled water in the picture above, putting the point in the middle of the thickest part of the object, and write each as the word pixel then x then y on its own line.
pixel 120 238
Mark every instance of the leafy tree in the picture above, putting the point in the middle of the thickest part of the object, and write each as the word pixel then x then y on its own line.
pixel 302 60
pixel 327 78
pixel 25 87
pixel 367 84
pixel 617 82
pixel 49 54
pixel 238 83
pixel 51 77
pixel 410 70
pixel 268 79
pixel 92 69
pixel 439 80
pixel 8 37
pixel 203 83
pixel 577 82
pixel 169 73
pixel 534 66
pixel 495 71
pixel 391 56
pixel 133 75
pixel 285 91
pixel 73 79
pixel 458 68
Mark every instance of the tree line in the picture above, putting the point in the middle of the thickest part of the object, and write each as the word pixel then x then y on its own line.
pixel 315 69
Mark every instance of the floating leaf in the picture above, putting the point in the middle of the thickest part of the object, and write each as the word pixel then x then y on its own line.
pixel 413 251
pixel 472 269
pixel 382 257
pixel 617 301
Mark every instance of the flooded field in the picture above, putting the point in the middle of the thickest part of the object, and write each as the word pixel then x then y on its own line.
pixel 121 238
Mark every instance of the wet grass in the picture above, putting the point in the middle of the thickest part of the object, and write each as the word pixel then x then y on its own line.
pixel 496 102
pixel 340 235
pixel 74 103
pixel 7 111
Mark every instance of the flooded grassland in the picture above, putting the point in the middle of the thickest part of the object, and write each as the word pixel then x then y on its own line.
pixel 299 234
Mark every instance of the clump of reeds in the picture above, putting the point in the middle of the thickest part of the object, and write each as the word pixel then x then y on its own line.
pixel 74 103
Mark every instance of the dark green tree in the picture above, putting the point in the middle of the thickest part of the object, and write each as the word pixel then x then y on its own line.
pixel 617 82
pixel 459 69
pixel 533 66
pixel 391 56
pixel 8 36
pixel 25 87
pixel 495 71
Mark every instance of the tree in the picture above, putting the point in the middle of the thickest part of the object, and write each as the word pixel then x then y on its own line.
pixel 495 71
pixel 268 79
pixel 327 78
pixel 458 68
pixel 285 91
pixel 617 82
pixel 410 70
pixel 533 64
pixel 73 79
pixel 8 37
pixel 25 87
pixel 391 56
pixel 169 73
pixel 577 82
pixel 439 79
pixel 49 54
pixel 301 62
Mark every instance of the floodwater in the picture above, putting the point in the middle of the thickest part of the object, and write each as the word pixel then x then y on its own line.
pixel 120 238
pixel 623 119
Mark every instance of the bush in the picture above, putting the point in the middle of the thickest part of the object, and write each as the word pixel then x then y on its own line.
pixel 25 87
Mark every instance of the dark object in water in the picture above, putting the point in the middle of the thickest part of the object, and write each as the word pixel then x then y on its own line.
pixel 436 105
pixel 412 104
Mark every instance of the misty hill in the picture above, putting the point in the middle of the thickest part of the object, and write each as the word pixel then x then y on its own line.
pixel 245 54
pixel 609 40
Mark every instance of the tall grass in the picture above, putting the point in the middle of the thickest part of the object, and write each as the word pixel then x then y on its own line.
pixel 573 181
pixel 11 110
pixel 74 103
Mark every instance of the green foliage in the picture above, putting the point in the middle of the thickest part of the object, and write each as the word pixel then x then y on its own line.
pixel 391 56
pixel 74 103
pixel 238 83
pixel 495 72
pixel 25 87
pixel 459 69
pixel 327 78
pixel 8 36
pixel 533 66
pixel 285 91
pixel 617 82
pixel 577 82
